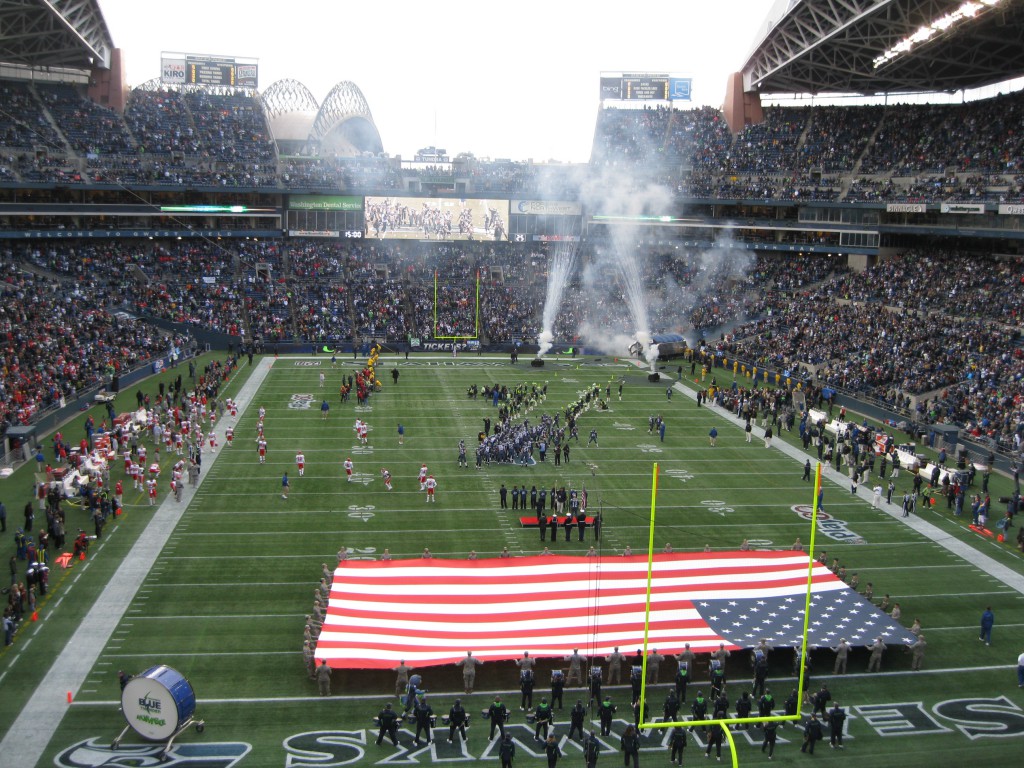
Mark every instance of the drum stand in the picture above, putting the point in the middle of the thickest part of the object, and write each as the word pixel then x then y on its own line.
pixel 200 726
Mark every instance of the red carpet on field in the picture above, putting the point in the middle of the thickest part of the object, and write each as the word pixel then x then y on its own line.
pixel 431 611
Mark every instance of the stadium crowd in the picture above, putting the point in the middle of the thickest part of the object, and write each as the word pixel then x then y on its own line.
pixel 49 133
pixel 930 332
pixel 59 341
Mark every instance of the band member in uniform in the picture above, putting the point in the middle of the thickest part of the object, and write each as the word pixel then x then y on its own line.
pixel 388 720
pixel 457 721
pixel 577 716
pixel 423 714
pixel 507 751
pixel 498 715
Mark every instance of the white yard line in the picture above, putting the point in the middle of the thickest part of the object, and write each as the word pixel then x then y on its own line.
pixel 486 694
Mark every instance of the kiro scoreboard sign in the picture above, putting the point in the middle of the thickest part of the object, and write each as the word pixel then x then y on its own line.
pixel 201 69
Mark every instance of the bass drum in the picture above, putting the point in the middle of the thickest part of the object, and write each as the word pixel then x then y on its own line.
pixel 158 703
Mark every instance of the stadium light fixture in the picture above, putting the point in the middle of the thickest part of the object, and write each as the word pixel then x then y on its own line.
pixel 967 11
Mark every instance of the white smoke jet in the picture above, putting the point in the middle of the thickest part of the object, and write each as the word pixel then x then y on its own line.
pixel 651 355
pixel 560 267
pixel 603 341
pixel 627 201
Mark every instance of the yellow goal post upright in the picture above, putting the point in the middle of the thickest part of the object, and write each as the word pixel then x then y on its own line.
pixel 724 724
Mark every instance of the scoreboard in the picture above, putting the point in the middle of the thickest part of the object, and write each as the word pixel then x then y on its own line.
pixel 198 69
pixel 644 86
pixel 545 221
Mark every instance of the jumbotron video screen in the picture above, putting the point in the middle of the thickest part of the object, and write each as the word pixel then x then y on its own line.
pixel 434 218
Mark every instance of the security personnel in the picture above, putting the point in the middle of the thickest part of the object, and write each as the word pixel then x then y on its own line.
pixel 424 715
pixel 605 712
pixel 388 720
pixel 836 721
pixel 542 522
pixel 498 715
pixel 457 721
pixel 577 716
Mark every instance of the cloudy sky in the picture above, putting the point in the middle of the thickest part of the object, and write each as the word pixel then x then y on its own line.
pixel 516 80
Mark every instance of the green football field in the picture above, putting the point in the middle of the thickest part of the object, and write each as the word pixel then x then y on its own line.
pixel 229 576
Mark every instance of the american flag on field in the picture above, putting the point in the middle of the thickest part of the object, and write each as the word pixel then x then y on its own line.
pixel 432 611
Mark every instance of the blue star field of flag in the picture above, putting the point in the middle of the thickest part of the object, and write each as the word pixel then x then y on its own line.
pixel 835 615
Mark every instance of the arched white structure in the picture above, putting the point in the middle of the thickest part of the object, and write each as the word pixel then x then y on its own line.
pixel 344 120
pixel 291 110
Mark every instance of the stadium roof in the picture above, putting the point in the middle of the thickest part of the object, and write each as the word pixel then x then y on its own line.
pixel 830 46
pixel 54 33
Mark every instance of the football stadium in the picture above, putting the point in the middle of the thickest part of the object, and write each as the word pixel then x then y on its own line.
pixel 705 449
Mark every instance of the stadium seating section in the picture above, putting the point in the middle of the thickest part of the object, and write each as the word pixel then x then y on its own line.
pixel 931 334
pixel 49 133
